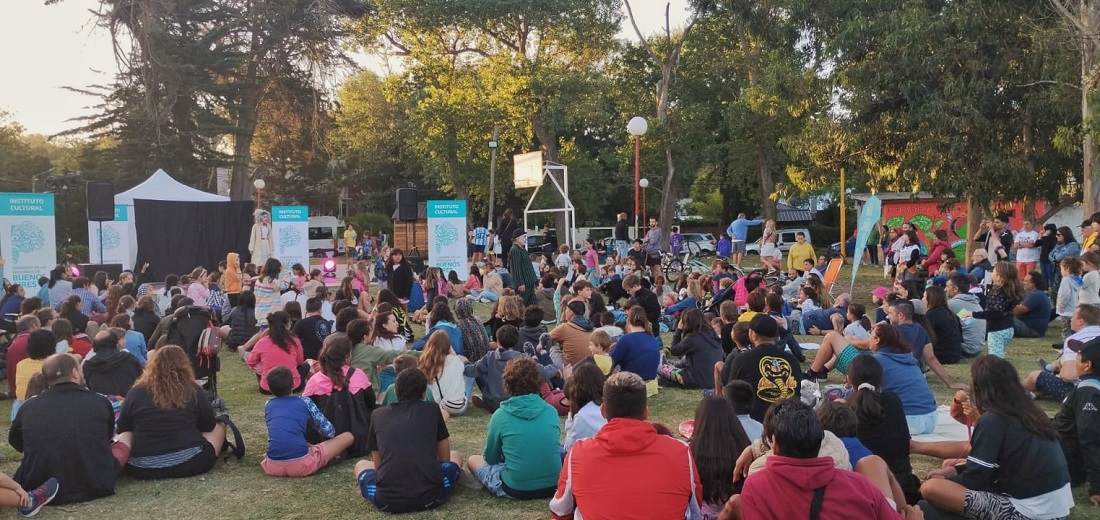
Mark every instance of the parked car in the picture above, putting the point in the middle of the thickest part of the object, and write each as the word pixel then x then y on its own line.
pixel 536 243
pixel 786 238
pixel 326 236
pixel 704 243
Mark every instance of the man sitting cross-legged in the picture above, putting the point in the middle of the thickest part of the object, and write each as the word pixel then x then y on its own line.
pixel 412 467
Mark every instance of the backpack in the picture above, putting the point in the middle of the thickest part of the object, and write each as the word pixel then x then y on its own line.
pixel 348 413
pixel 194 332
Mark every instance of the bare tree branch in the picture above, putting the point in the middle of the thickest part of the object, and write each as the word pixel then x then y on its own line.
pixel 638 31
pixel 1050 82
pixel 1068 14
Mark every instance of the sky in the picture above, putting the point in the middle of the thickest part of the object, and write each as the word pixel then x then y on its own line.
pixel 58 46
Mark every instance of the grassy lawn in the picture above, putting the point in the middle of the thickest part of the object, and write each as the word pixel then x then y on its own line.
pixel 241 490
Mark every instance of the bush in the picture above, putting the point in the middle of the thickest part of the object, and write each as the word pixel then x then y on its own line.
pixel 372 222
pixel 79 253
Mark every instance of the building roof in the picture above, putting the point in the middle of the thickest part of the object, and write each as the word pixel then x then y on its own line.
pixel 920 195
pixel 787 213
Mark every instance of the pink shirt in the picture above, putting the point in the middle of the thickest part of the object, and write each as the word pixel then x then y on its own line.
pixel 199 294
pixel 266 355
pixel 320 384
pixel 591 258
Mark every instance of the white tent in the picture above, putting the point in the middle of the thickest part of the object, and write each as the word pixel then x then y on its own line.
pixel 120 236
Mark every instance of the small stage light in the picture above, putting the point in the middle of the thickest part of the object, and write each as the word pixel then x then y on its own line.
pixel 329 267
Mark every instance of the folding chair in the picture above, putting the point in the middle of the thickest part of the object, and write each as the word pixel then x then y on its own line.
pixel 832 272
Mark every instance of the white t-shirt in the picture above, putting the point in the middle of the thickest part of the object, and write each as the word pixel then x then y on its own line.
pixel 1027 254
pixel 1084 335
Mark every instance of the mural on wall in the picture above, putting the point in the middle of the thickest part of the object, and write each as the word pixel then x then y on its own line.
pixel 927 217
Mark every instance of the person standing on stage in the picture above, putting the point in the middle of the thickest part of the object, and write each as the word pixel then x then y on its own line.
pixel 523 274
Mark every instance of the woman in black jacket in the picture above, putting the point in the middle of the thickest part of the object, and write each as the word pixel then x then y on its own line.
pixel 699 349
pixel 944 326
pixel 399 274
pixel 508 225
pixel 145 317
pixel 242 321
pixel 881 422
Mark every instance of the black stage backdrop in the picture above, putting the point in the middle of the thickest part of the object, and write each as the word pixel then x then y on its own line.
pixel 177 236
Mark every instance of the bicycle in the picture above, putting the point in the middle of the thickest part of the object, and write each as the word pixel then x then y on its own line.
pixel 673 266
pixel 770 278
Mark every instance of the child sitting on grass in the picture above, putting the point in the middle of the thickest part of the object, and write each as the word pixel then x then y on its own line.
pixel 288 416
pixel 401 364
pixel 489 369
pixel 600 346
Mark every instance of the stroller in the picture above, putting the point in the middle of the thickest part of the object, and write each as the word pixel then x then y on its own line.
pixel 194 331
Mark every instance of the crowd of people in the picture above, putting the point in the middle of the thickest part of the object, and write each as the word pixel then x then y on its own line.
pixel 106 381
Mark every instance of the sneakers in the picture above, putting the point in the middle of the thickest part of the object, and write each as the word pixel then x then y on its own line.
pixel 813 375
pixel 1047 367
pixel 40 496
pixel 477 401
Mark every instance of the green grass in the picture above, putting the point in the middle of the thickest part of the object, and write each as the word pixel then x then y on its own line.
pixel 241 490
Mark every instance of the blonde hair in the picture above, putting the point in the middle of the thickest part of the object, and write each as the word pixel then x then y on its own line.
pixel 434 356
pixel 511 308
pixel 725 283
pixel 601 339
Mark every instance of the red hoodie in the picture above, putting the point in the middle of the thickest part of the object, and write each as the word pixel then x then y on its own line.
pixel 932 263
pixel 785 488
pixel 628 471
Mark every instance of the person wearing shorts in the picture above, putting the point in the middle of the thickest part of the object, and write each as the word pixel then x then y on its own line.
pixel 288 417
pixel 1058 379
pixel 407 441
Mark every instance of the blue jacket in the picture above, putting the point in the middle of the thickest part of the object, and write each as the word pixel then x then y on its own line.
pixel 739 229
pixel 901 374
pixel 450 329
pixel 686 303
pixel 1061 251
pixel 724 247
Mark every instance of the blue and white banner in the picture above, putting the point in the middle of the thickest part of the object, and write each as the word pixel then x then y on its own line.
pixel 116 239
pixel 27 237
pixel 447 236
pixel 290 225
pixel 869 215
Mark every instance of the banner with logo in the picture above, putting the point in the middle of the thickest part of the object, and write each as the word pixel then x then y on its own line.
pixel 290 225
pixel 447 236
pixel 116 243
pixel 869 215
pixel 27 238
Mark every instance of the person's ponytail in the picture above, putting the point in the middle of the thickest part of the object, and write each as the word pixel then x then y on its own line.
pixel 865 373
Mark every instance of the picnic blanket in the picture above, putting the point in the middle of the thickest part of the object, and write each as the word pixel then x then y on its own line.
pixel 947 429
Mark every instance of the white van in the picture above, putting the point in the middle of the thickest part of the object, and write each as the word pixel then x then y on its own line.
pixel 326 236
pixel 785 240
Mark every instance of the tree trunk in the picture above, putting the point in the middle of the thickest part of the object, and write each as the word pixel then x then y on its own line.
pixel 669 195
pixel 1089 45
pixel 767 185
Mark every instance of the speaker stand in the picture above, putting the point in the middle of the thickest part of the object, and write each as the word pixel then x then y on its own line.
pixel 101 259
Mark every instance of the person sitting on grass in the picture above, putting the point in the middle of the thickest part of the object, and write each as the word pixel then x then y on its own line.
pixel 28 502
pixel 900 314
pixel 880 421
pixel 722 369
pixel 1078 424
pixel 838 350
pixel 716 442
pixel 342 392
pixel 278 347
pixel 522 458
pixel 798 479
pixel 1015 468
pixel 698 348
pixel 287 417
pixel 773 373
pixel 110 371
pixel 600 345
pixel 839 418
pixel 65 434
pixel 628 470
pixel 175 433
pixel 637 350
pixel 40 345
pixel 740 395
pixel 368 356
pixel 489 370
pixel 401 364
pixel 585 392
pixel 444 370
pixel 1058 379
pixel 412 467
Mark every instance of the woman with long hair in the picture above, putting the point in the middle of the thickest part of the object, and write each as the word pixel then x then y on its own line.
pixel 444 371
pixel 164 295
pixel 343 393
pixel 584 388
pixel 1015 468
pixel 1006 293
pixel 1065 246
pixel 347 291
pixel 400 312
pixel 770 254
pixel 173 428
pixel 881 425
pixel 70 310
pixel 99 283
pixel 267 289
pixel 145 316
pixel 637 350
pixel 387 333
pixel 902 375
pixel 508 311
pixel 399 275
pixel 278 347
pixel 59 285
pixel 943 326
pixel 716 441
pixel 698 348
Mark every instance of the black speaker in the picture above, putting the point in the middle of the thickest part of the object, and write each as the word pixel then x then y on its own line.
pixel 113 270
pixel 406 205
pixel 101 201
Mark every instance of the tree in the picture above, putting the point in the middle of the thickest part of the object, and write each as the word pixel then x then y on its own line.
pixel 1084 17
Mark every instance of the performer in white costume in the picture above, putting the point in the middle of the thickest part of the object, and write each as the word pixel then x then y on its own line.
pixel 261 243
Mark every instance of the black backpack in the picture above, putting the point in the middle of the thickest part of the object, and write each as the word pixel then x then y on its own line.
pixel 348 413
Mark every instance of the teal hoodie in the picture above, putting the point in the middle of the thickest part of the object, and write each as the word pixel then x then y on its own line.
pixel 525 432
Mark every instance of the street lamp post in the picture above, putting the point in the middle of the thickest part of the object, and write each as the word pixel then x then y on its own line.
pixel 493 173
pixel 644 183
pixel 637 127
pixel 259 184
